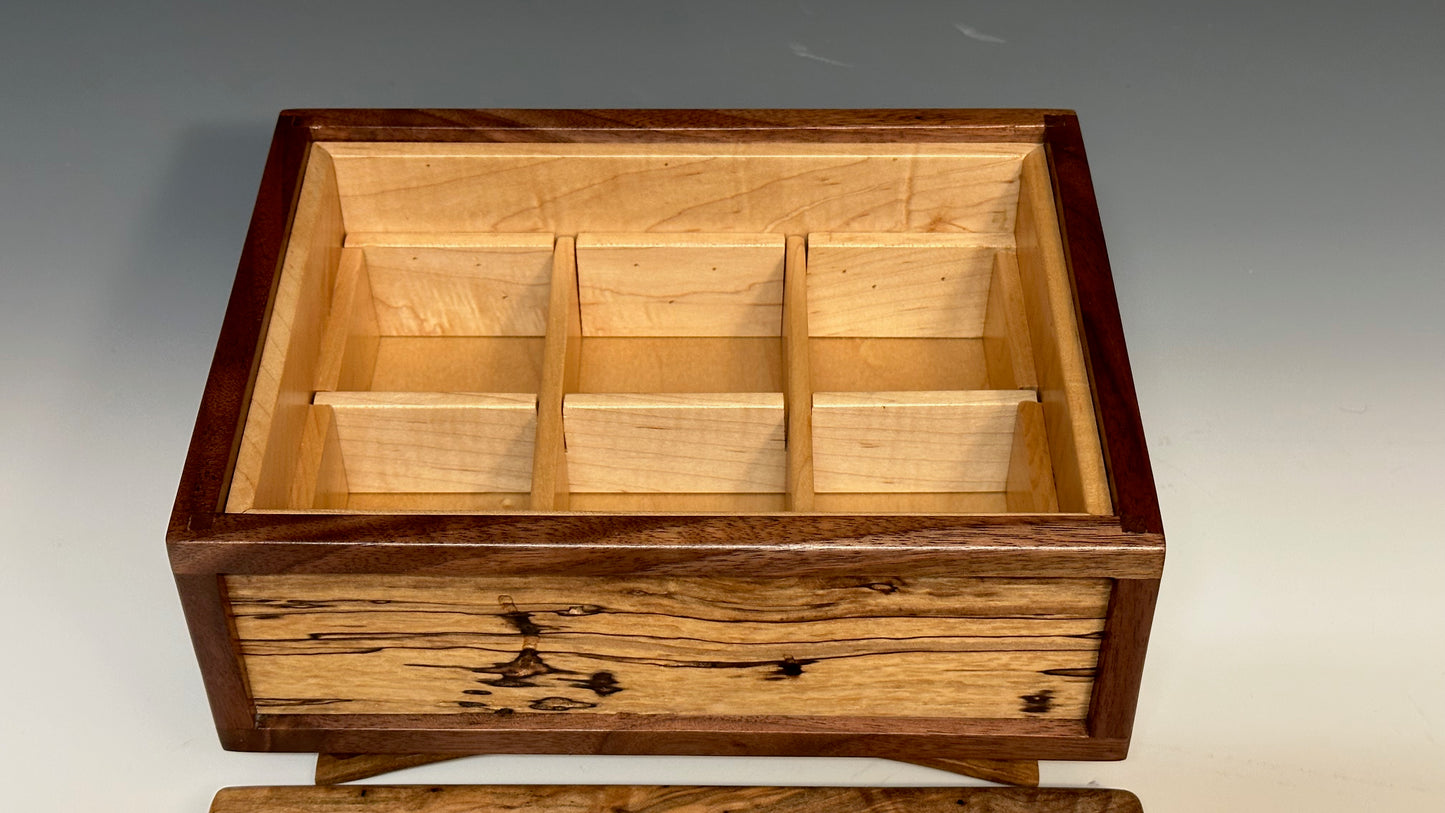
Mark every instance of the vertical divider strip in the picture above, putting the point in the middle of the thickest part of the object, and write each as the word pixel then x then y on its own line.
pixel 798 381
pixel 561 363
pixel 348 343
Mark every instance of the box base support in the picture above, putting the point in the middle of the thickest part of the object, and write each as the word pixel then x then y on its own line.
pixel 332 769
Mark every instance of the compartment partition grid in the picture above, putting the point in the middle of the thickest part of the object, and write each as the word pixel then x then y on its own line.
pixel 412 312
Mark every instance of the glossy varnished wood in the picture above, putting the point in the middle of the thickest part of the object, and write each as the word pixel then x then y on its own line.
pixel 1127 545
pixel 853 646
pixel 674 799
pixel 333 769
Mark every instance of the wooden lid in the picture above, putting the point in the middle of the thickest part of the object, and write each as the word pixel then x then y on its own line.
pixel 637 798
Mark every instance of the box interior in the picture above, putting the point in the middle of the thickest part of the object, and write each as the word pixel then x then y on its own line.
pixel 672 327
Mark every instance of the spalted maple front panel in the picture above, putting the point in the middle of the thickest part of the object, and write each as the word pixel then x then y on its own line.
pixel 934 646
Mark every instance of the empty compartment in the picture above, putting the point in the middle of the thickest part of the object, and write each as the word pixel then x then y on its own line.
pixel 932 451
pixel 438 313
pixel 401 450
pixel 891 312
pixel 680 313
pixel 678 452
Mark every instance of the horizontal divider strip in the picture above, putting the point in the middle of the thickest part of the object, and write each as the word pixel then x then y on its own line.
pixel 482 240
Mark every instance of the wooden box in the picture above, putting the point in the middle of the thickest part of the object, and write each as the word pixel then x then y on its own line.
pixel 672 432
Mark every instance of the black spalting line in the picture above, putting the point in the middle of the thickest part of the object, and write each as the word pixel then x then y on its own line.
pixel 601 684
pixel 1074 673
pixel 284 702
pixel 560 704
pixel 1039 703
pixel 790 667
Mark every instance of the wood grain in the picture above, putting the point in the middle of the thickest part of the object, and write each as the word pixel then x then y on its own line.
pixel 320 478
pixel 1006 342
pixel 1132 478
pixel 348 343
pixel 1030 483
pixel 203 540
pixel 677 799
pixel 332 769
pixel 774 188
pixel 494 289
pixel 750 126
pixel 680 285
pixel 732 442
pixel 458 364
pixel 1063 380
pixel 883 365
pixel 693 364
pixel 281 395
pixel 925 647
pixel 434 442
pixel 561 370
pixel 900 285
pixel 914 441
pixel 799 384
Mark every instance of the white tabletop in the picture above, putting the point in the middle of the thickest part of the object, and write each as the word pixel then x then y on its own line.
pixel 1273 192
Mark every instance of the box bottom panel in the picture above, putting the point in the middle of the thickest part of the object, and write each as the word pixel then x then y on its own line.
pixel 935 647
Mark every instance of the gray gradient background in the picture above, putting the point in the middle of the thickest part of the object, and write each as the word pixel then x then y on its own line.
pixel 1273 192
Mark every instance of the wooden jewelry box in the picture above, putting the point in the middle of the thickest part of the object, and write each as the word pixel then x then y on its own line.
pixel 672 432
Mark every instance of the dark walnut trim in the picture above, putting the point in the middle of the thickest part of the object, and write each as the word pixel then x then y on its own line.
pixel 636 799
pixel 1102 331
pixel 676 545
pixel 603 126
pixel 208 615
pixel 334 769
pixel 1121 658
pixel 204 542
pixel 217 434
pixel 909 740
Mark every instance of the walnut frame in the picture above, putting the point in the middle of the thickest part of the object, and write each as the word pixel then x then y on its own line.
pixel 206 544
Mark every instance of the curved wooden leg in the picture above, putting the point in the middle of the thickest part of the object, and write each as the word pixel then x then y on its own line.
pixel 1021 772
pixel 332 769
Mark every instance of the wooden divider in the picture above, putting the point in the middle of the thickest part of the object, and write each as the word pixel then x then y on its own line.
pixel 1064 391
pixel 561 361
pixel 798 379
pixel 914 441
pixel 887 371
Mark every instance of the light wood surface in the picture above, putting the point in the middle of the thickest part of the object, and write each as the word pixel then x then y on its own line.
pixel 391 502
pixel 893 646
pixel 499 289
pixel 864 364
pixel 672 798
pixel 680 503
pixel 458 364
pixel 914 441
pixel 320 478
pixel 1030 484
pixel 560 371
pixel 693 364
pixel 680 285
pixel 432 239
pixel 900 285
pixel 1006 342
pixel 281 396
pixel 903 502
pixel 745 188
pixel 348 344
pixel 437 307
pixel 799 394
pixel 1063 380
pixel 733 442
pixel 434 442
